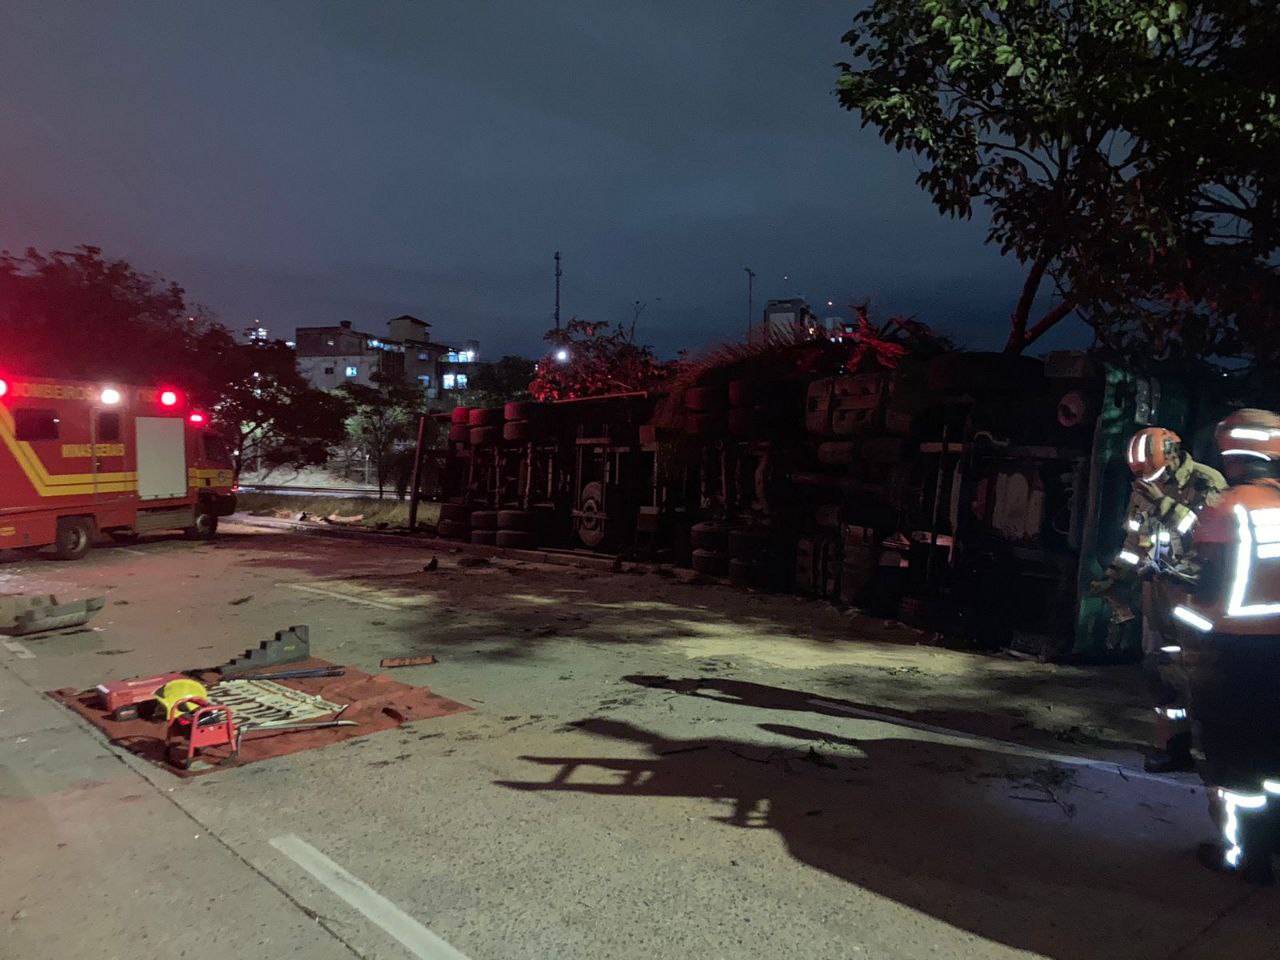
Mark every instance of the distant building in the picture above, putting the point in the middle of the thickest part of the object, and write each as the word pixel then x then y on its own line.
pixel 331 356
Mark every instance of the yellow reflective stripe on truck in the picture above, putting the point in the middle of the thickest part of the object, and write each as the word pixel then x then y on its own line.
pixel 59 484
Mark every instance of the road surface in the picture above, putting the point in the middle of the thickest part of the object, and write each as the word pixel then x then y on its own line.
pixel 650 769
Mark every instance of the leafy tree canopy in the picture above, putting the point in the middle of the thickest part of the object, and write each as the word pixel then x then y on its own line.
pixel 592 359
pixel 382 418
pixel 499 382
pixel 1127 151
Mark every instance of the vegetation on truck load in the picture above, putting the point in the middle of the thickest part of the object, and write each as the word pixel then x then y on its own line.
pixel 1128 153
pixel 591 359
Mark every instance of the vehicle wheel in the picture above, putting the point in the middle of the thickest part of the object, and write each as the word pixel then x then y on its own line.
pixel 705 399
pixel 520 410
pixel 747 574
pixel 74 538
pixel 457 512
pixel 524 520
pixel 205 527
pixel 484 538
pixel 485 436
pixel 709 535
pixel 747 543
pixel 485 417
pixel 517 431
pixel 460 433
pixel 591 528
pixel 484 520
pixel 460 416
pixel 453 530
pixel 517 539
pixel 711 562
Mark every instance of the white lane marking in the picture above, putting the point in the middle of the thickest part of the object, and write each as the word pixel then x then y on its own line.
pixel 342 596
pixel 416 938
pixel 998 746
pixel 18 650
pixel 136 553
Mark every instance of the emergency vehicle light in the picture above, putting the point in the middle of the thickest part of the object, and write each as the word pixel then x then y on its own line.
pixel 4 387
pixel 196 418
pixel 110 396
pixel 168 398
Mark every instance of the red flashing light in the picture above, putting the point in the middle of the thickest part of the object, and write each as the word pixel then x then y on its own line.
pixel 196 418
pixel 168 398
pixel 4 387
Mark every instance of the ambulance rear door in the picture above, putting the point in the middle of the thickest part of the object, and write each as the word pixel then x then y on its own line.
pixel 162 458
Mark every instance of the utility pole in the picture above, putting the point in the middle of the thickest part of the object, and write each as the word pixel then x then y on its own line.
pixel 557 290
pixel 751 275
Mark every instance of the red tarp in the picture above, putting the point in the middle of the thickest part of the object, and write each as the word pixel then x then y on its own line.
pixel 377 703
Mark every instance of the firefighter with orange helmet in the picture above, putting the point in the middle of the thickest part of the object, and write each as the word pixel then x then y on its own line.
pixel 1169 490
pixel 1230 637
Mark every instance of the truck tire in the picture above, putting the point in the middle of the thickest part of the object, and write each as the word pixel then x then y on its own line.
pixel 485 417
pixel 709 535
pixel 517 539
pixel 484 520
pixel 453 530
pixel 747 543
pixel 517 431
pixel 74 538
pixel 711 562
pixel 520 410
pixel 485 436
pixel 457 512
pixel 460 416
pixel 705 399
pixel 747 574
pixel 460 433
pixel 205 527
pixel 741 393
pixel 524 520
pixel 484 538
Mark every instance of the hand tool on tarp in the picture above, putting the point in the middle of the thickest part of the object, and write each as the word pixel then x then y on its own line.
pixel 295 674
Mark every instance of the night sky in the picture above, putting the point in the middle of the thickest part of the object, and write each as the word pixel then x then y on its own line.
pixel 305 162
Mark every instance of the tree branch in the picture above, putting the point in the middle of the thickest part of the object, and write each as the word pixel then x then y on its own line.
pixel 1018 321
pixel 1048 320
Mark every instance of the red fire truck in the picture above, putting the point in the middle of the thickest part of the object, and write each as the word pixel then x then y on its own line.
pixel 78 459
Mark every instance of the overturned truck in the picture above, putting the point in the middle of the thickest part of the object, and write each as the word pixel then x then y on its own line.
pixel 974 495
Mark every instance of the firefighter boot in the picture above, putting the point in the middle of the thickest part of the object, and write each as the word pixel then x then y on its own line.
pixel 1174 758
pixel 1249 834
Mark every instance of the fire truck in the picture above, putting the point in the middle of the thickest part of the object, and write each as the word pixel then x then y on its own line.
pixel 79 459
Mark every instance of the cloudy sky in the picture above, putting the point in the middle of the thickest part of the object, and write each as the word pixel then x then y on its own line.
pixel 306 162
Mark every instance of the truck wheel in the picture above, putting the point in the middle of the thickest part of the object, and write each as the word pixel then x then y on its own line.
pixel 711 562
pixel 75 537
pixel 205 528
pixel 517 520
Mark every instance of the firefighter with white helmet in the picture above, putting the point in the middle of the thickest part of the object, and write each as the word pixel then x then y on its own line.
pixel 1230 635
pixel 1169 490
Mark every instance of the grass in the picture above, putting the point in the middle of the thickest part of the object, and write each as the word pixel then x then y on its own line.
pixel 390 511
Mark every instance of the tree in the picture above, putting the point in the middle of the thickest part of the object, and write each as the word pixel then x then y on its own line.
pixel 1127 150
pixel 265 406
pixel 382 417
pixel 589 359
pixel 493 384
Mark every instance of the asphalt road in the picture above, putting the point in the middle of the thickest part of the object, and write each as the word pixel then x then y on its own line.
pixel 650 769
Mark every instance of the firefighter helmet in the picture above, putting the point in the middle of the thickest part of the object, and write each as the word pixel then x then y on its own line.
pixel 1249 433
pixel 1152 451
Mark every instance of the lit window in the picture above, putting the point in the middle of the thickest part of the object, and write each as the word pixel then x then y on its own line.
pixel 425 378
pixel 353 371
pixel 451 356
pixel 461 380
pixel 448 379
pixel 424 355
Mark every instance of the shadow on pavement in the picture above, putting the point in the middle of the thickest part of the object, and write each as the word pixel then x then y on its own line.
pixel 1011 850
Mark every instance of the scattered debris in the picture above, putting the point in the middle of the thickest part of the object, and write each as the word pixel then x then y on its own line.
pixel 667 753
pixel 21 615
pixel 432 565
pixel 239 600
pixel 381 525
pixel 112 653
pixel 288 646
pixel 296 674
pixel 339 519
pixel 301 516
pixel 423 661
pixel 121 603
pixel 472 562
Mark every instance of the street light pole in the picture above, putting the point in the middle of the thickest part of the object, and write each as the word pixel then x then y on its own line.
pixel 751 275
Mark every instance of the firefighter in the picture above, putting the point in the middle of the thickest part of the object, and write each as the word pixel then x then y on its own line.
pixel 1230 635
pixel 1169 490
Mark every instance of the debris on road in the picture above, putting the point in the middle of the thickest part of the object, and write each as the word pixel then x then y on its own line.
pixel 239 600
pixel 338 518
pixel 472 562
pixel 432 566
pixel 424 661
pixel 288 646
pixel 121 699
pixel 22 615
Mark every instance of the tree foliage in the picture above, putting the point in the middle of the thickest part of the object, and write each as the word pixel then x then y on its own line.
pixel 592 359
pixel 1127 152
pixel 382 418
pixel 79 315
pixel 502 381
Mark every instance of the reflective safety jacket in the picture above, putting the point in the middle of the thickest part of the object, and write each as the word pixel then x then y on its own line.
pixel 1162 515
pixel 1237 542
